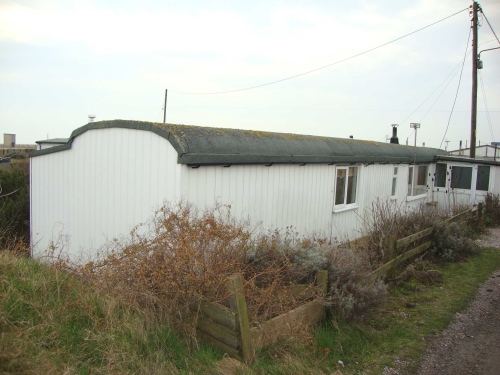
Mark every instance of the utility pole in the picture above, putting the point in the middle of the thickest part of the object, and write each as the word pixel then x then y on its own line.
pixel 474 82
pixel 165 107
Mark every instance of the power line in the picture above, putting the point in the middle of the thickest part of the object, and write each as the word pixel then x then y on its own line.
pixel 437 88
pixel 453 72
pixel 315 108
pixel 435 101
pixel 323 67
pixel 489 24
pixel 458 87
pixel 486 105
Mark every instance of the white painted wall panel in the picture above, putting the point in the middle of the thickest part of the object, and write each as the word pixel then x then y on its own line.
pixel 495 176
pixel 279 196
pixel 109 181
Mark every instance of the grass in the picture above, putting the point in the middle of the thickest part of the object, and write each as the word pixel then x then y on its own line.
pixel 52 323
pixel 399 329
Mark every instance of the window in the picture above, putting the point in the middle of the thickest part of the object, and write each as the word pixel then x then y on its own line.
pixel 461 177
pixel 440 176
pixel 483 178
pixel 345 189
pixel 417 180
pixel 394 181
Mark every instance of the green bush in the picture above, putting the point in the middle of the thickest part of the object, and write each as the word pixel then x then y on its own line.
pixel 14 208
pixel 452 242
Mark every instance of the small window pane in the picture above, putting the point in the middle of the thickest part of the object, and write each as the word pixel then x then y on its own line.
pixel 410 180
pixel 394 181
pixel 340 188
pixel 440 179
pixel 461 177
pixel 422 175
pixel 351 185
pixel 483 178
pixel 421 187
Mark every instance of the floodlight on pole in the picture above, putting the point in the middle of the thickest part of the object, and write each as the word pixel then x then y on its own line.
pixel 415 126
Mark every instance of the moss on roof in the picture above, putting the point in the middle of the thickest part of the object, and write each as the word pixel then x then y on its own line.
pixel 199 145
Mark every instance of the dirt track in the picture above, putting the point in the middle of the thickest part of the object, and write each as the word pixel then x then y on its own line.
pixel 471 343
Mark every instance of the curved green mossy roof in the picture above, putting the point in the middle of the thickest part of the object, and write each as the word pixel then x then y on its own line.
pixel 199 145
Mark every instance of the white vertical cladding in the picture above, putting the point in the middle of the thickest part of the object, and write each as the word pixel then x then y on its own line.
pixel 277 196
pixel 495 178
pixel 109 181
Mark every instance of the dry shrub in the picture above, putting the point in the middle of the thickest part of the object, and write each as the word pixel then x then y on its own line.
pixel 423 276
pixel 184 256
pixel 491 212
pixel 388 220
pixel 351 291
pixel 276 261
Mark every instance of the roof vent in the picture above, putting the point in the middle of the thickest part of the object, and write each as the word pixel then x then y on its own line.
pixel 92 118
pixel 394 138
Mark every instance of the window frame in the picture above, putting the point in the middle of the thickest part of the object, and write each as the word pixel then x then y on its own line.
pixel 479 189
pixel 413 181
pixel 461 189
pixel 337 207
pixel 394 187
pixel 437 173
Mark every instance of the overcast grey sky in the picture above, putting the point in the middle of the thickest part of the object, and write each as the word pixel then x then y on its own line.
pixel 63 60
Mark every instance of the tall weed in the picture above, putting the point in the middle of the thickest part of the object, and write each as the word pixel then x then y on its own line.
pixel 492 210
pixel 183 256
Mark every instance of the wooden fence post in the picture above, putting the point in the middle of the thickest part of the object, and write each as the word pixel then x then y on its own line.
pixel 391 254
pixel 322 281
pixel 390 251
pixel 480 210
pixel 238 305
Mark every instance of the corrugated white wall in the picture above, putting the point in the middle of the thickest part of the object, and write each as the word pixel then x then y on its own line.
pixel 109 181
pixel 495 176
pixel 301 197
pixel 279 196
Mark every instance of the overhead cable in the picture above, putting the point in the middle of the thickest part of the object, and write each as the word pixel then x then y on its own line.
pixel 486 105
pixel 489 24
pixel 453 72
pixel 322 67
pixel 458 87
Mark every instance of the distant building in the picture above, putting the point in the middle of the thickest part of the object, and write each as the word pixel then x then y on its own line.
pixel 48 143
pixel 484 152
pixel 10 148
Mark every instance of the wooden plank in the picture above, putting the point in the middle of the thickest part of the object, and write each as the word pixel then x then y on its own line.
pixel 285 325
pixel 239 306
pixel 461 215
pixel 221 333
pixel 300 291
pixel 219 314
pixel 416 236
pixel 232 352
pixel 393 263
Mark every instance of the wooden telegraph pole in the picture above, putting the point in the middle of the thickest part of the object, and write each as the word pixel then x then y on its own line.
pixel 474 82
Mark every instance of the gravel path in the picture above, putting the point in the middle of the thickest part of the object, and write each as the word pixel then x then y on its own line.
pixel 471 343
